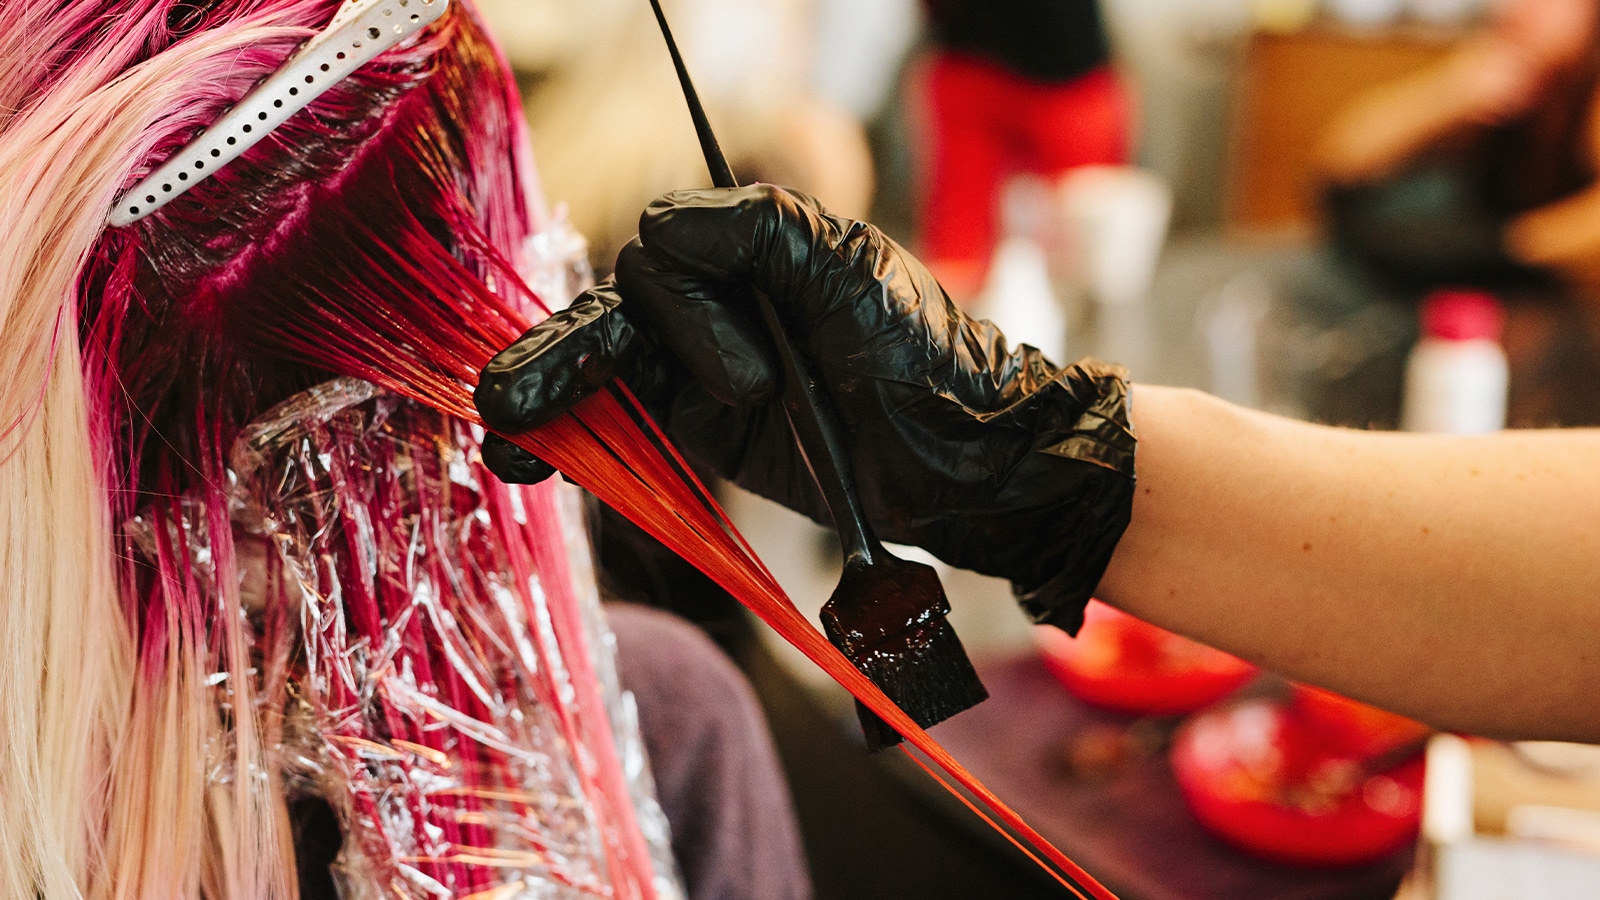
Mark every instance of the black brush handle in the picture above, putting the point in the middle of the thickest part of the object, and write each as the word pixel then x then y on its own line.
pixel 817 430
pixel 721 175
pixel 810 411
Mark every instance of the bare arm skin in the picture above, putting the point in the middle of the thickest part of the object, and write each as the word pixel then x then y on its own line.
pixel 1565 235
pixel 1452 579
pixel 1485 82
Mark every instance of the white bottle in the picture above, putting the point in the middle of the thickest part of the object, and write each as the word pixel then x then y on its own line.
pixel 1018 295
pixel 1456 377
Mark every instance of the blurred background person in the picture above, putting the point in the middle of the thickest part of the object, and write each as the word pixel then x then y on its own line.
pixel 1480 168
pixel 1009 87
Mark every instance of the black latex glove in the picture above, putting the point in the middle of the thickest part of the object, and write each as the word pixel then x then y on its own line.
pixel 993 461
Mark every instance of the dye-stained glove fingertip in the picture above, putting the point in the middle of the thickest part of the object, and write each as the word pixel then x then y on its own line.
pixel 512 464
pixel 498 401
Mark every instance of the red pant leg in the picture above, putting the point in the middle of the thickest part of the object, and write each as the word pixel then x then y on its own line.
pixel 964 145
pixel 979 123
pixel 1086 121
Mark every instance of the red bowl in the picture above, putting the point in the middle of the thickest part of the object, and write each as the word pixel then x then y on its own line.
pixel 1125 664
pixel 1350 726
pixel 1280 786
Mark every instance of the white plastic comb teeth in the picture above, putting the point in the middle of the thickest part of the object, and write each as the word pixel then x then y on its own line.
pixel 358 32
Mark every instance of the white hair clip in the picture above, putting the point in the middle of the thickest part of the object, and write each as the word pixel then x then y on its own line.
pixel 359 31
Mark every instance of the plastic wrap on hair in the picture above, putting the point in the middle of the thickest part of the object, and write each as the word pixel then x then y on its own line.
pixel 430 644
pixel 620 703
pixel 555 264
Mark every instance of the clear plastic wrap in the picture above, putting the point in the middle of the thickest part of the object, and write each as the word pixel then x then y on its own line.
pixel 432 660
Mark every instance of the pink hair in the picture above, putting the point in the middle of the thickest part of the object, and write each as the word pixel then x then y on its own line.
pixel 372 237
pixel 134 365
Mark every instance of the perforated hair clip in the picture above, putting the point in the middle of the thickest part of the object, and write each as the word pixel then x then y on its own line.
pixel 359 31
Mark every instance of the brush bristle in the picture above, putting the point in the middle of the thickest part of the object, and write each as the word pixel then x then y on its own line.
pixel 929 677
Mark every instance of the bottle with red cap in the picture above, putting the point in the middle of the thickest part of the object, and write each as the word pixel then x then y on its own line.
pixel 1456 377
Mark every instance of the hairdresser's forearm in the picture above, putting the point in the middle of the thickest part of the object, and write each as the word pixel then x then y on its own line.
pixel 1484 82
pixel 1563 235
pixel 1453 579
pixel 1385 128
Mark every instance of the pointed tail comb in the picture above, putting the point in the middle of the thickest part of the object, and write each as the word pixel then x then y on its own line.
pixel 359 31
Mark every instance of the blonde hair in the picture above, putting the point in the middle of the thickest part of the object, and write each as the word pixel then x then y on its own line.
pixel 139 723
pixel 102 778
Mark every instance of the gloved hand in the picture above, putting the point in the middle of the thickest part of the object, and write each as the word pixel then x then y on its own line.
pixel 993 461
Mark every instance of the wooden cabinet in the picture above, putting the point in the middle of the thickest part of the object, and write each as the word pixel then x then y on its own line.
pixel 1289 87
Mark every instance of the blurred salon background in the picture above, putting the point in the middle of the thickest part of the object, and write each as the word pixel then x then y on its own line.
pixel 1376 213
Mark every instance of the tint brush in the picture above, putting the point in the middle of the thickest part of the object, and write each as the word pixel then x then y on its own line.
pixel 887 614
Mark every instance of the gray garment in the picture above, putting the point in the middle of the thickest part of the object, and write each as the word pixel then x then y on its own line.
pixel 734 831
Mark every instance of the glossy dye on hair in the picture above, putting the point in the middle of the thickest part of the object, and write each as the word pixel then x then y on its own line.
pixel 381 235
